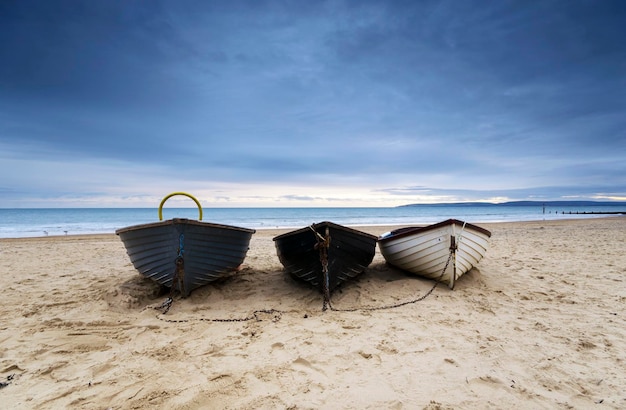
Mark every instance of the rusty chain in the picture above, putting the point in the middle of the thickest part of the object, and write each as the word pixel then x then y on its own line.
pixel 254 316
pixel 178 278
pixel 397 305
pixel 323 244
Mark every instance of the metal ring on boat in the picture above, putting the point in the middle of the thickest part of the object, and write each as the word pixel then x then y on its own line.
pixel 179 193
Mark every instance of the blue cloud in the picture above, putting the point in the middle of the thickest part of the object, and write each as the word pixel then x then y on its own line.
pixel 276 92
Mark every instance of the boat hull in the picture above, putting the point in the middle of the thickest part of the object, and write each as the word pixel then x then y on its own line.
pixel 349 252
pixel 209 251
pixel 453 245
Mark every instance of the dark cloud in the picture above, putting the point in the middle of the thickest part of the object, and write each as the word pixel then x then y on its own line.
pixel 271 91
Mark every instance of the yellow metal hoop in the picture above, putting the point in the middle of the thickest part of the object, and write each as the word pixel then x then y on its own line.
pixel 179 193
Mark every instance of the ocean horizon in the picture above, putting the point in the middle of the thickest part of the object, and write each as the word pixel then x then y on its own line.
pixel 37 222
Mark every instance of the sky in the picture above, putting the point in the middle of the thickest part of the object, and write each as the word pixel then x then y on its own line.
pixel 311 103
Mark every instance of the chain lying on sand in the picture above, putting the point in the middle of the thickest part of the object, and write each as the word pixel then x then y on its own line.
pixel 278 313
pixel 322 245
pixel 396 305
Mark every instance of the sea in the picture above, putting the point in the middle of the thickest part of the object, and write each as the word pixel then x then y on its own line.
pixel 37 222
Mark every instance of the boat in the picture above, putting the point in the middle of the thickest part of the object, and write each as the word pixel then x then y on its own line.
pixel 443 251
pixel 325 254
pixel 184 254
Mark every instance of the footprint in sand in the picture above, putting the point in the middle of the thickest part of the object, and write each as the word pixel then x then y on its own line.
pixel 306 366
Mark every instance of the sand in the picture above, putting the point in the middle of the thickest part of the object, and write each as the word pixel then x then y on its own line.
pixel 540 323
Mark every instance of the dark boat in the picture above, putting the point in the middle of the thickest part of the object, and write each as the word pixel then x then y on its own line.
pixel 325 254
pixel 184 254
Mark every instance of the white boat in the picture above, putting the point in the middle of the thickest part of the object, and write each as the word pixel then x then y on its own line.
pixel 443 251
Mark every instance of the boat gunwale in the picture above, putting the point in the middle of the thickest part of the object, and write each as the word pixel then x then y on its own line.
pixel 412 230
pixel 322 224
pixel 183 221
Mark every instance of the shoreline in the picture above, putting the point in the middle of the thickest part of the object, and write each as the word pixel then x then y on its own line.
pixel 539 323
pixel 20 223
pixel 609 216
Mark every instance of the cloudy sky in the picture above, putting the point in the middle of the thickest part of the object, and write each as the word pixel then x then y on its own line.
pixel 311 103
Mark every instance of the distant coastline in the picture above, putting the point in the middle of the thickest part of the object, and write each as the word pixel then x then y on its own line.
pixel 525 203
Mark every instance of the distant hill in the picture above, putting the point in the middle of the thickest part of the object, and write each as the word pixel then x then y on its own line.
pixel 526 203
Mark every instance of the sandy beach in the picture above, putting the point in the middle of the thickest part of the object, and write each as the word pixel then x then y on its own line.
pixel 539 324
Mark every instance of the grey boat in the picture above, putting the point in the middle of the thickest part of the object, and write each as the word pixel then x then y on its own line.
pixel 184 254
